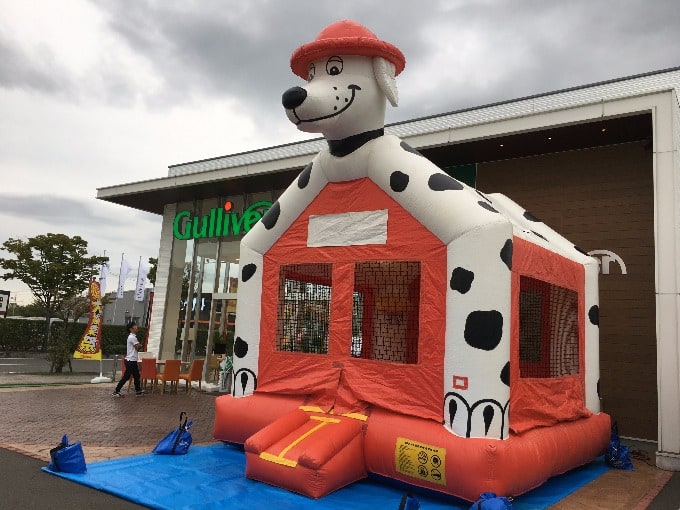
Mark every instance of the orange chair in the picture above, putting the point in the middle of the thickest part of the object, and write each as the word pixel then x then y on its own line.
pixel 148 372
pixel 195 374
pixel 170 373
pixel 213 367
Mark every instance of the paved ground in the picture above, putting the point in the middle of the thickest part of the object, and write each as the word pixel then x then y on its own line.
pixel 38 409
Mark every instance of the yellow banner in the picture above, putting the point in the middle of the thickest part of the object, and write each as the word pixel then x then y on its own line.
pixel 89 346
pixel 420 460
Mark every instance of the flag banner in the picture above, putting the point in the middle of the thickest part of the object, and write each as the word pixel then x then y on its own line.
pixel 142 273
pixel 124 271
pixel 103 273
pixel 89 346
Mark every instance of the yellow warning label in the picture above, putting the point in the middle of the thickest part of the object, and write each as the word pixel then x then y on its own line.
pixel 420 460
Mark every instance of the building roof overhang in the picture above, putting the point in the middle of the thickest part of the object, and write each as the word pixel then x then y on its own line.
pixel 607 113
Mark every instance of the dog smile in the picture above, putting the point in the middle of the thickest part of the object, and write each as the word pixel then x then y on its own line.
pixel 353 88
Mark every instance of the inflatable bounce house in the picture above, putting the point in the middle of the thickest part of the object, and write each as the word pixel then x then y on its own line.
pixel 395 321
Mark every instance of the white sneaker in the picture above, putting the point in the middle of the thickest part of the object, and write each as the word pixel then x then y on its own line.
pixel 117 394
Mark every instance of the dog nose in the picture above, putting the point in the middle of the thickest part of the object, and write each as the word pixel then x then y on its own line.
pixel 293 97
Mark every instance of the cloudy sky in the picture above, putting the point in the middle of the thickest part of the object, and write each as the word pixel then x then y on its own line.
pixel 99 93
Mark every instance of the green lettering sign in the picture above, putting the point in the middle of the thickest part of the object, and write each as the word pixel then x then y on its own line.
pixel 221 221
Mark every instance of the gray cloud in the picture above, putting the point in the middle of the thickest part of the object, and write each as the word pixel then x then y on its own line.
pixel 210 48
pixel 501 49
pixel 39 72
pixel 69 212
pixel 204 47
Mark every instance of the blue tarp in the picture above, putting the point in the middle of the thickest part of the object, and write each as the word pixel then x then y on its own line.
pixel 213 477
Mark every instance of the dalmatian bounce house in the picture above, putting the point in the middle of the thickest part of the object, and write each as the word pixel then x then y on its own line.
pixel 394 321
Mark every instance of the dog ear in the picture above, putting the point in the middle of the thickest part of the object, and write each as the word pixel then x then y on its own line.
pixel 384 75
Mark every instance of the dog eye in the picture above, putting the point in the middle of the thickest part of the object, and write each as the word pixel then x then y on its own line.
pixel 334 66
pixel 310 72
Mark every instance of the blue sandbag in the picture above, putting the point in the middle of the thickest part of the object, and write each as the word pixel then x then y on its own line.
pixel 618 455
pixel 409 502
pixel 67 458
pixel 489 501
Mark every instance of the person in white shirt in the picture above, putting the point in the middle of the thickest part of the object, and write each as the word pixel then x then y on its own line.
pixel 131 359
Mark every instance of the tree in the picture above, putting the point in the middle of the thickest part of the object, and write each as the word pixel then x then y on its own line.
pixel 69 311
pixel 56 268
pixel 153 267
pixel 33 309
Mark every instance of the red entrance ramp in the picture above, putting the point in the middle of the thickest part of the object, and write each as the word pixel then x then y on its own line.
pixel 311 453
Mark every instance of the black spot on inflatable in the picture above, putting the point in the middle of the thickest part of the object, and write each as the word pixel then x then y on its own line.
pixel 581 250
pixel 594 315
pixel 488 418
pixel 303 178
pixel 410 149
pixel 486 206
pixel 461 280
pixel 530 216
pixel 484 329
pixel 505 374
pixel 244 381
pixel 443 182
pixel 240 347
pixel 398 181
pixel 271 216
pixel 453 407
pixel 539 235
pixel 247 272
pixel 506 253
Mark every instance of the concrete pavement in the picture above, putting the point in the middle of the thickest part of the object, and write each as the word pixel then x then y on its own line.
pixel 38 409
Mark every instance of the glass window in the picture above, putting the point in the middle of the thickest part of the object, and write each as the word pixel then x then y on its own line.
pixel 229 266
pixel 548 329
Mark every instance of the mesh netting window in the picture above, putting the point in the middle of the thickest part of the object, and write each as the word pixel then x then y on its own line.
pixel 548 329
pixel 385 311
pixel 304 308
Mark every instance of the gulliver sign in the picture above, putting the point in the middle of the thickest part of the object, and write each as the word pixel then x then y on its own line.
pixel 220 221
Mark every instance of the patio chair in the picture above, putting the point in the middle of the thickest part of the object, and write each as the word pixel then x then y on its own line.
pixel 148 372
pixel 213 367
pixel 195 374
pixel 170 373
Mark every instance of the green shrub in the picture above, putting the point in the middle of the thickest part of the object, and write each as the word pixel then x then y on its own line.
pixel 114 338
pixel 21 335
pixel 28 336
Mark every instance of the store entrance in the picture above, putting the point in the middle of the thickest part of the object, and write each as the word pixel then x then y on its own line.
pixel 211 312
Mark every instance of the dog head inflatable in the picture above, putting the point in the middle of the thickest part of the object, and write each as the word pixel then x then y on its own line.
pixel 350 74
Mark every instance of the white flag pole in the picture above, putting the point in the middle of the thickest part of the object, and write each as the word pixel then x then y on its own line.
pixel 115 304
pixel 101 377
pixel 134 300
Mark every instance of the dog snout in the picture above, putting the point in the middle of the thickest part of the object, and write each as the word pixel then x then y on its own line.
pixel 293 97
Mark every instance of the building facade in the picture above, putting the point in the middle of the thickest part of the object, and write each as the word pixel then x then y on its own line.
pixel 599 164
pixel 121 311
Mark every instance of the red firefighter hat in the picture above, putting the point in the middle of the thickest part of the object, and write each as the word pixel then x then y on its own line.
pixel 345 37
